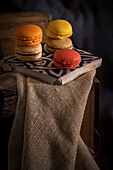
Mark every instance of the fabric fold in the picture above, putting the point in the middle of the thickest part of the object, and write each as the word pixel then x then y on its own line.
pixel 84 159
pixel 45 132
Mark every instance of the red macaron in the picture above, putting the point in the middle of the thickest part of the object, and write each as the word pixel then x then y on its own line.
pixel 66 59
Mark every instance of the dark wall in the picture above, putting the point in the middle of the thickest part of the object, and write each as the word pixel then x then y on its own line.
pixel 92 22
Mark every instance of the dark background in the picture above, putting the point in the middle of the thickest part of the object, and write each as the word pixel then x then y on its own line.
pixel 92 22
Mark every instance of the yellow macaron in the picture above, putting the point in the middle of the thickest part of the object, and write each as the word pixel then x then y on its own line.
pixel 59 29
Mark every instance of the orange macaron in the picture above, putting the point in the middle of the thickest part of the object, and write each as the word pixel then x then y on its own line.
pixel 28 35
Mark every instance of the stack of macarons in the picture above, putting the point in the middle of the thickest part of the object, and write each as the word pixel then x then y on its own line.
pixel 58 33
pixel 28 42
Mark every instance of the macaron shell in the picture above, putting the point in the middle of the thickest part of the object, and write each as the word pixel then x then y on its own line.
pixel 59 29
pixel 35 49
pixel 28 58
pixel 53 35
pixel 66 59
pixel 50 49
pixel 29 30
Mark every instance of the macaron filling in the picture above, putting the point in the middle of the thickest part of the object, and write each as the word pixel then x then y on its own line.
pixel 67 65
pixel 28 38
pixel 27 54
pixel 29 42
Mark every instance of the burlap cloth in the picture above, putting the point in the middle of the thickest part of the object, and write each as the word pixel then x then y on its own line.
pixel 45 133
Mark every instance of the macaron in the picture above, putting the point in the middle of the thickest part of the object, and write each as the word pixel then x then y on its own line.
pixel 28 35
pixel 66 59
pixel 28 42
pixel 54 44
pixel 59 29
pixel 28 53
